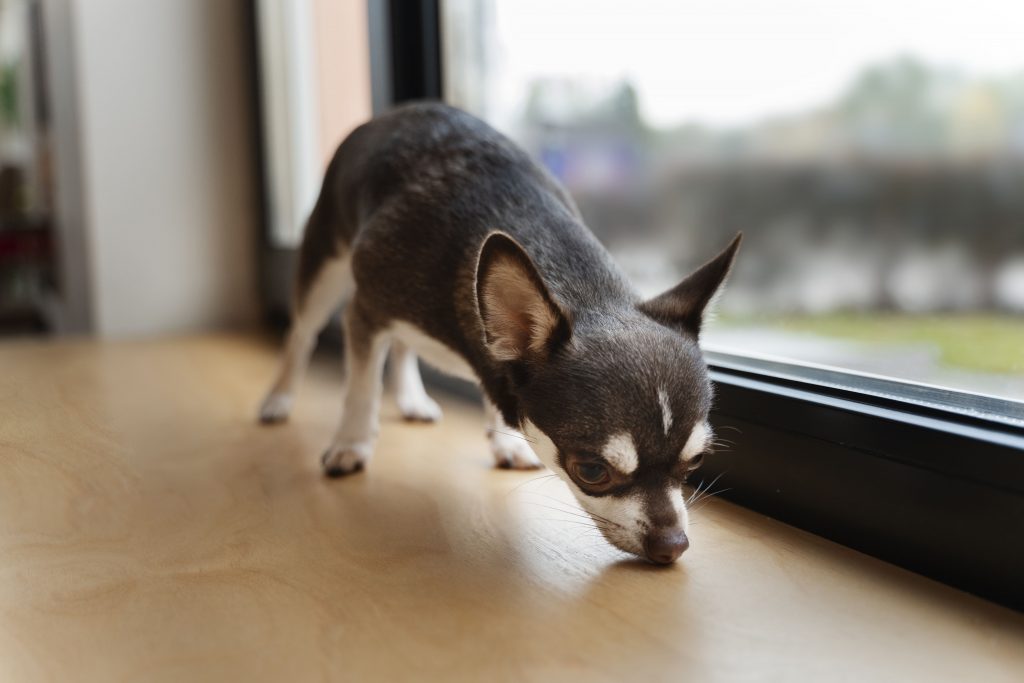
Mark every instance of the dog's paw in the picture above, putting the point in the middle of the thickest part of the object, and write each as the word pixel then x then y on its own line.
pixel 276 407
pixel 419 408
pixel 512 451
pixel 339 461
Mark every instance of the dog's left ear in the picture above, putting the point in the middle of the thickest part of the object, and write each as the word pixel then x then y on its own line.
pixel 683 306
pixel 521 319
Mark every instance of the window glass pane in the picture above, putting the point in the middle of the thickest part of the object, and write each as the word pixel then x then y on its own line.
pixel 872 152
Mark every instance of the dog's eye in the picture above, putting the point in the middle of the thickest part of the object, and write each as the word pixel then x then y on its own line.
pixel 591 473
pixel 687 467
pixel 694 462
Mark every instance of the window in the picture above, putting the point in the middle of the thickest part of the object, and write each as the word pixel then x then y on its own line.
pixel 872 153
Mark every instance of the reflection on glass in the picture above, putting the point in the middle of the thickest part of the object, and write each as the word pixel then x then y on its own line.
pixel 872 154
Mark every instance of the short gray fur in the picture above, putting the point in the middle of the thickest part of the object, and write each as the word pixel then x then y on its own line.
pixel 414 195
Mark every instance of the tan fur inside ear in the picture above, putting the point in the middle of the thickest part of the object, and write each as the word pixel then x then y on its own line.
pixel 517 316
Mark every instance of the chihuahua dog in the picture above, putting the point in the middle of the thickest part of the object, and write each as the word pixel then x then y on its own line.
pixel 446 242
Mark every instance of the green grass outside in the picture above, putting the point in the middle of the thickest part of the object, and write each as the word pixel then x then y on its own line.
pixel 979 342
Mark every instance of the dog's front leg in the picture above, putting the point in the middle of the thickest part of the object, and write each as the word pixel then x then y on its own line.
pixel 366 346
pixel 510 447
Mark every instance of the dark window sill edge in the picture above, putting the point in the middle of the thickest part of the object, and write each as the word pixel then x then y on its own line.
pixel 966 446
pixel 938 494
pixel 941 402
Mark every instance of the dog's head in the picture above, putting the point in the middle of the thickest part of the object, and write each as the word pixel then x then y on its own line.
pixel 615 398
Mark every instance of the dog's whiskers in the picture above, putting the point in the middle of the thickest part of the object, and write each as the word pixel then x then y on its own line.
pixel 492 430
pixel 572 510
pixel 697 493
pixel 542 477
pixel 587 518
pixel 707 497
pixel 579 522
pixel 576 509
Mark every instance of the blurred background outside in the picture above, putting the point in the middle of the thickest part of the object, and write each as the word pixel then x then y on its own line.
pixel 871 152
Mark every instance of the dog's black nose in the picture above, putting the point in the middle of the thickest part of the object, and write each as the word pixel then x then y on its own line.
pixel 664 546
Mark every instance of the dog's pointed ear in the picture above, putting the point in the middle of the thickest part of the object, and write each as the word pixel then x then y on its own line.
pixel 683 306
pixel 521 319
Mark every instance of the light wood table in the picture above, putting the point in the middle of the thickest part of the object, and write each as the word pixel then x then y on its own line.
pixel 150 530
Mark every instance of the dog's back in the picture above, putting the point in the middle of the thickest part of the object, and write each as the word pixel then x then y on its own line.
pixel 425 184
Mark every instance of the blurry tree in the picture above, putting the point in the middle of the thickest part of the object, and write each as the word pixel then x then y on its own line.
pixel 910 165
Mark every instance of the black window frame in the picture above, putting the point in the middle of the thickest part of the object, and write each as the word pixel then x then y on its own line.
pixel 912 476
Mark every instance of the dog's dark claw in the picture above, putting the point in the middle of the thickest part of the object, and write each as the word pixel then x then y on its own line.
pixel 338 472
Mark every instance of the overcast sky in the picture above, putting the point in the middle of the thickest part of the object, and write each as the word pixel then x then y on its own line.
pixel 734 61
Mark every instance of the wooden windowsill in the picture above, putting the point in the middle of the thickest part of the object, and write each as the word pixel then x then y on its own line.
pixel 150 529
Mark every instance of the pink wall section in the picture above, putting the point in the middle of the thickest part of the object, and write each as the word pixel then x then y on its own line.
pixel 343 69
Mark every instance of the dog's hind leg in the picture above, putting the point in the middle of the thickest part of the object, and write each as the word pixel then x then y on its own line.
pixel 366 347
pixel 326 290
pixel 412 399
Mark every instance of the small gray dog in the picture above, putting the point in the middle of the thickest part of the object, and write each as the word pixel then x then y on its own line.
pixel 447 242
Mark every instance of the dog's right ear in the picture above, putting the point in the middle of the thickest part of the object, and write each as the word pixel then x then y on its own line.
pixel 521 319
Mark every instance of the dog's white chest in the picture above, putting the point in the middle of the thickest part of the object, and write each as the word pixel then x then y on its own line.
pixel 433 351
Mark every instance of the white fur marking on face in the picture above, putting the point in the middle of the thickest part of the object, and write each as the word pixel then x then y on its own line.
pixel 620 452
pixel 675 495
pixel 666 411
pixel 622 518
pixel 697 442
pixel 625 517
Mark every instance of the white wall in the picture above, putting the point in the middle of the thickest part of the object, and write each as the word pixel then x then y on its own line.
pixel 166 161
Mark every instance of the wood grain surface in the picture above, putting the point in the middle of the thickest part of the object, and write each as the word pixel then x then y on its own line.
pixel 150 530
